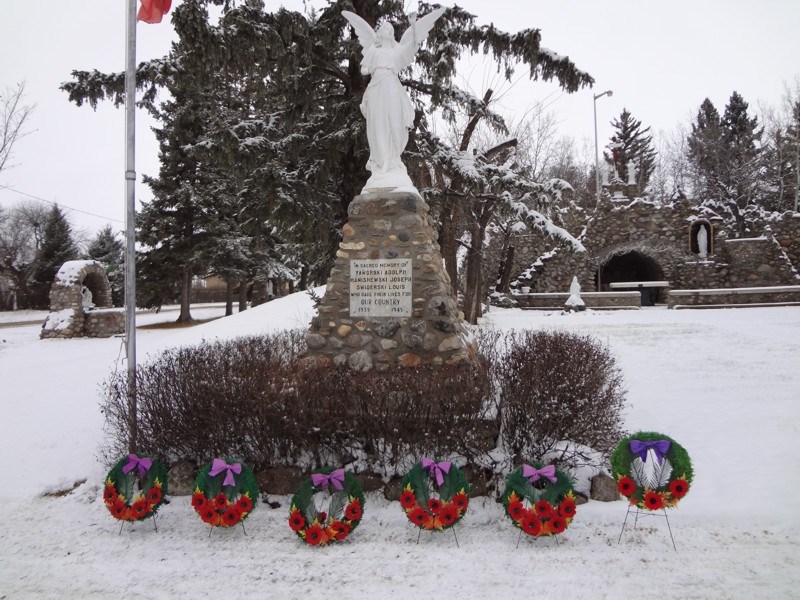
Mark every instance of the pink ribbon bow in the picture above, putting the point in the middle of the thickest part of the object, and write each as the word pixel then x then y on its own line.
pixel 533 474
pixel 321 480
pixel 134 462
pixel 218 466
pixel 437 470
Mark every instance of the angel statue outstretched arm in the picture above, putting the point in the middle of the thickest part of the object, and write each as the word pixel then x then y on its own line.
pixel 386 105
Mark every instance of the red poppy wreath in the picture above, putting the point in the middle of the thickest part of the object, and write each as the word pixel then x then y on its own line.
pixel 435 495
pixel 345 507
pixel 539 499
pixel 225 493
pixel 135 488
pixel 652 470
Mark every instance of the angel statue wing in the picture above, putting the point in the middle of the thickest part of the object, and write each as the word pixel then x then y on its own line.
pixel 419 29
pixel 366 35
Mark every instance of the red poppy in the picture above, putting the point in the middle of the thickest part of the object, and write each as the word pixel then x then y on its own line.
pixel 323 516
pixel 653 500
pixel 407 499
pixel 516 510
pixel 230 517
pixel 244 504
pixel 544 510
pixel 140 508
pixel 626 486
pixel 154 495
pixel 118 510
pixel 296 520
pixel 461 501
pixel 558 524
pixel 567 508
pixel 530 524
pixel 110 494
pixel 678 488
pixel 314 535
pixel 209 515
pixel 448 514
pixel 220 501
pixel 199 501
pixel 434 506
pixel 341 529
pixel 353 511
pixel 417 516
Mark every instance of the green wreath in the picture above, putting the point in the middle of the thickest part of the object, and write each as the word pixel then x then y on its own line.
pixel 539 499
pixel 136 487
pixel 225 492
pixel 435 495
pixel 652 470
pixel 343 514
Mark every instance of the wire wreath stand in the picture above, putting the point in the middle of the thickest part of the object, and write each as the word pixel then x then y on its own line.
pixel 646 513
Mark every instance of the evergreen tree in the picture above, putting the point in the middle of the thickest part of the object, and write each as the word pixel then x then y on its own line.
pixel 57 248
pixel 270 104
pixel 726 156
pixel 107 249
pixel 633 144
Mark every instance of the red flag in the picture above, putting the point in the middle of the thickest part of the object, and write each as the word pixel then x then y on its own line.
pixel 152 11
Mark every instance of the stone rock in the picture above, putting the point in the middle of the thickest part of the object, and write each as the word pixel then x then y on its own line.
pixel 444 326
pixel 411 340
pixel 387 330
pixel 358 340
pixel 604 488
pixel 181 478
pixel 393 489
pixel 315 340
pixel 360 361
pixel 449 344
pixel 314 362
pixel 343 330
pixel 279 480
pixel 370 482
pixel 417 326
pixel 580 498
pixel 409 203
pixel 348 230
pixel 409 360
pixel 388 344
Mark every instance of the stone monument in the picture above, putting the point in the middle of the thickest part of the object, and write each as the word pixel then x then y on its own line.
pixel 389 301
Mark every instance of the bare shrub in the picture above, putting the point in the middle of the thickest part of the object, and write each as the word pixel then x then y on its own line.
pixel 560 391
pixel 247 398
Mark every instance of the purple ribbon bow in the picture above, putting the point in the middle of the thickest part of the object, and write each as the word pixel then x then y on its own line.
pixel 660 447
pixel 437 469
pixel 336 479
pixel 218 466
pixel 533 474
pixel 134 462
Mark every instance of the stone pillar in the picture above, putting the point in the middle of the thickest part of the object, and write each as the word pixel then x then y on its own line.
pixel 389 301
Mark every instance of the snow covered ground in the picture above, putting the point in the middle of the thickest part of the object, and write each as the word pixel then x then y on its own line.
pixel 724 383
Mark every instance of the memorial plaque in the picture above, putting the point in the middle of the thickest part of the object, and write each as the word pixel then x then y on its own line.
pixel 380 288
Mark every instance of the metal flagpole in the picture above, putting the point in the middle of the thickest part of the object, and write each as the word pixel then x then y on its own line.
pixel 130 220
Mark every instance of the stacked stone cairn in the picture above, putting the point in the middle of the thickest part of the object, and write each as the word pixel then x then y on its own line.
pixel 389 302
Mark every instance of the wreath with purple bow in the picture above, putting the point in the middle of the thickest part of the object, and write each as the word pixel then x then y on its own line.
pixel 435 495
pixel 539 499
pixel 324 523
pixel 135 488
pixel 225 492
pixel 652 470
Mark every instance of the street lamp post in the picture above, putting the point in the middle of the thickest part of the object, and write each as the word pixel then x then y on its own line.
pixel 596 151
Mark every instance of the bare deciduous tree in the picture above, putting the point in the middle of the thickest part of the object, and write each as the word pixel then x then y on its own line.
pixel 14 113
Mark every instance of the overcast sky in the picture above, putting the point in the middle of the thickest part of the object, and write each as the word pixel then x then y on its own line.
pixel 661 59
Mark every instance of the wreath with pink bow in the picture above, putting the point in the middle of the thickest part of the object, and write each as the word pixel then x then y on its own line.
pixel 539 499
pixel 225 492
pixel 652 470
pixel 335 516
pixel 135 488
pixel 435 495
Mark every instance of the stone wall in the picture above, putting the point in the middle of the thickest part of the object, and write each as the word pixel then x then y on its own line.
pixel 70 311
pixel 594 300
pixel 788 295
pixel 662 236
pixel 389 229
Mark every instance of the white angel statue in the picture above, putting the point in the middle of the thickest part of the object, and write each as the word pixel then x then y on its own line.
pixel 386 105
